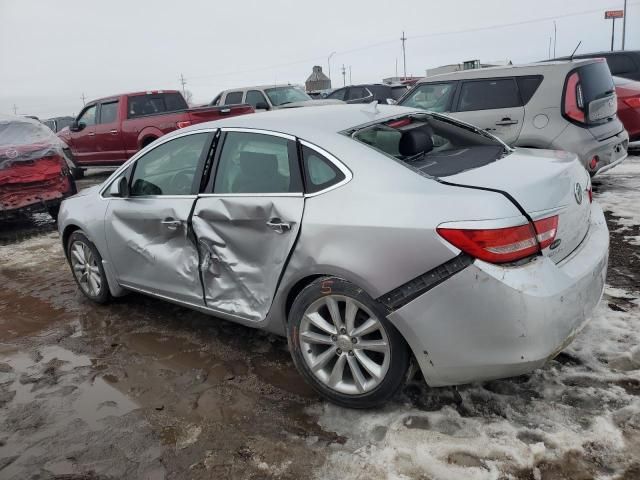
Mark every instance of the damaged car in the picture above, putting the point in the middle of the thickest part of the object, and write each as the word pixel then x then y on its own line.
pixel 33 171
pixel 368 236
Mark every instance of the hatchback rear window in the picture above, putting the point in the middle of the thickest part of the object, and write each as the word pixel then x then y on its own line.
pixel 435 146
pixel 596 81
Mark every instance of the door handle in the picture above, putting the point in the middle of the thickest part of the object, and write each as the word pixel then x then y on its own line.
pixel 278 225
pixel 171 224
pixel 507 121
pixel 113 132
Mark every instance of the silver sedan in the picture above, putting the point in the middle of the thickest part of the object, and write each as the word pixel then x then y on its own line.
pixel 370 236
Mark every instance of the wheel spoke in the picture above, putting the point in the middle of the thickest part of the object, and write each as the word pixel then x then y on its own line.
pixel 332 305
pixel 96 279
pixel 311 337
pixel 322 359
pixel 92 285
pixel 350 311
pixel 78 268
pixel 337 371
pixel 78 254
pixel 369 365
pixel 375 345
pixel 368 326
pixel 316 319
pixel 358 377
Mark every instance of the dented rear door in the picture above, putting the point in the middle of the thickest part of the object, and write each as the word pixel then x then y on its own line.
pixel 248 224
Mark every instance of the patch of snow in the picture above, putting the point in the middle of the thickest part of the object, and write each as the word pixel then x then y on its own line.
pixel 617 191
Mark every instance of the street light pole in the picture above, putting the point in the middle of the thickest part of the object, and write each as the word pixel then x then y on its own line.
pixel 329 64
pixel 624 23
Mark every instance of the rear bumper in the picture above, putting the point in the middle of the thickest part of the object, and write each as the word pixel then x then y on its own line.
pixel 610 152
pixel 490 321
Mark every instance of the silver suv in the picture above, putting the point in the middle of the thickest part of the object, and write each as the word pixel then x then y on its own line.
pixel 567 105
pixel 270 97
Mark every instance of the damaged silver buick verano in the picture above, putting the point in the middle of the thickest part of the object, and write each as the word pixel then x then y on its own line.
pixel 366 235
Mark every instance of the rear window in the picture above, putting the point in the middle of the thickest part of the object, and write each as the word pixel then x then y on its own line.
pixel 152 104
pixel 435 146
pixel 488 94
pixel 596 81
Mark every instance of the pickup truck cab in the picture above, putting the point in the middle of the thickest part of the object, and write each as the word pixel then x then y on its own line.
pixel 108 131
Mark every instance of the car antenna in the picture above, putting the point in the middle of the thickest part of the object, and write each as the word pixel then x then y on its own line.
pixel 575 50
pixel 372 108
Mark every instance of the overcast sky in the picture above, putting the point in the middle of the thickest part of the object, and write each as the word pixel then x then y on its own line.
pixel 51 52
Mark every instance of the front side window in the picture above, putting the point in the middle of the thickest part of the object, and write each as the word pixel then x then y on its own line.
pixel 356 93
pixel 108 112
pixel 431 96
pixel 233 98
pixel 257 163
pixel 489 94
pixel 283 95
pixel 88 117
pixel 319 172
pixel 338 94
pixel 255 97
pixel 170 168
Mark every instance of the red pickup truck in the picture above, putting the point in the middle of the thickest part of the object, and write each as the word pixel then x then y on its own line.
pixel 110 130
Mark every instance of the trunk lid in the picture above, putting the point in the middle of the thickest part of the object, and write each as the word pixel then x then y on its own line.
pixel 543 183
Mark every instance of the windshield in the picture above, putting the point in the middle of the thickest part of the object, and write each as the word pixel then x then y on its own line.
pixel 283 95
pixel 435 97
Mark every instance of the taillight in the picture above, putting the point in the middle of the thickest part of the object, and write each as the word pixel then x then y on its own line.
pixel 633 102
pixel 593 163
pixel 573 99
pixel 183 124
pixel 502 245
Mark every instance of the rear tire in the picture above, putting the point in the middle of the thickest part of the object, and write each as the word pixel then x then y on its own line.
pixel 86 266
pixel 54 211
pixel 344 346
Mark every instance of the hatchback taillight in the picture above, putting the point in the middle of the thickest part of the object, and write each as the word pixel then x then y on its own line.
pixel 502 245
pixel 573 99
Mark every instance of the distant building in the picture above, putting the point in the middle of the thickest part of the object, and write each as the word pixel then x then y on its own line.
pixel 467 65
pixel 317 80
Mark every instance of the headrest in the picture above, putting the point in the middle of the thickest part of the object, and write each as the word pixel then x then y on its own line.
pixel 255 163
pixel 415 141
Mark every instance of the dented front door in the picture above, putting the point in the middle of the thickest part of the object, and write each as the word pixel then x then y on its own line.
pixel 244 244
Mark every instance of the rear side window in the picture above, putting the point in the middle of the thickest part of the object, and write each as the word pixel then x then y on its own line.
pixel 620 64
pixel 152 104
pixel 431 96
pixel 319 172
pixel 338 94
pixel 254 97
pixel 356 93
pixel 528 86
pixel 108 112
pixel 596 81
pixel 397 92
pixel 257 163
pixel 488 94
pixel 233 98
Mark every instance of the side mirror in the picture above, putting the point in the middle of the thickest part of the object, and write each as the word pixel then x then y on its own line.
pixel 77 126
pixel 391 101
pixel 262 106
pixel 120 188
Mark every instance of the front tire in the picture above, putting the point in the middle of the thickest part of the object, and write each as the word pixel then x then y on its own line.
pixel 86 265
pixel 344 346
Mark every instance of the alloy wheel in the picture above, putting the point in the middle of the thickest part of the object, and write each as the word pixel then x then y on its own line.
pixel 85 268
pixel 344 344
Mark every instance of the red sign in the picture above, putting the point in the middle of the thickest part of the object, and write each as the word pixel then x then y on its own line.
pixel 613 14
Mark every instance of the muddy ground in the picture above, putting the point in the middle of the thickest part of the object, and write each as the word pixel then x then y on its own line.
pixel 144 389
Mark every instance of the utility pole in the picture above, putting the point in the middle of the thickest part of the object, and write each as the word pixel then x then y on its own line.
pixel 624 23
pixel 396 67
pixel 15 109
pixel 555 38
pixel 350 82
pixel 549 48
pixel 183 82
pixel 329 64
pixel 84 98
pixel 404 55
pixel 344 78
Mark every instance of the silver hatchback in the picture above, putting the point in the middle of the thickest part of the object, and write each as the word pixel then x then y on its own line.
pixel 367 235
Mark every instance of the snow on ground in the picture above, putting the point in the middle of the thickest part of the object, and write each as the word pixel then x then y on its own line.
pixel 578 417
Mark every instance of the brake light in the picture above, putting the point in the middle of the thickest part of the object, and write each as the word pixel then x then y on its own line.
pixel 502 245
pixel 183 124
pixel 573 99
pixel 633 102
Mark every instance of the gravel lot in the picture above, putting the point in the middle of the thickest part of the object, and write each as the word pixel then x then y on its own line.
pixel 144 389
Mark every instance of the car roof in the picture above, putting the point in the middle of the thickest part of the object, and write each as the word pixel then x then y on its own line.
pixel 313 123
pixel 258 87
pixel 508 70
pixel 607 53
pixel 130 94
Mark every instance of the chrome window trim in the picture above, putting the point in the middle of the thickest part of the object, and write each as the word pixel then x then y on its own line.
pixel 337 163
pixel 259 131
pixel 226 195
pixel 142 152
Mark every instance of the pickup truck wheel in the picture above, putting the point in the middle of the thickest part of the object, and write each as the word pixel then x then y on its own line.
pixel 86 265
